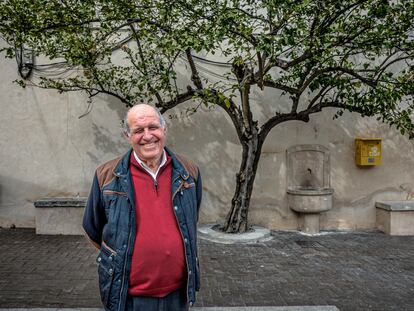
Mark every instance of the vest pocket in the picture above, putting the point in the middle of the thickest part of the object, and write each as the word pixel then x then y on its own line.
pixel 106 270
pixel 113 192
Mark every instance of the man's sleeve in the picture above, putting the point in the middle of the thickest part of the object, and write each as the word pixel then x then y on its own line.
pixel 199 189
pixel 94 217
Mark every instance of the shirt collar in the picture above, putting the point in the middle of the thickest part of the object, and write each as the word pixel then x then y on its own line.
pixel 144 166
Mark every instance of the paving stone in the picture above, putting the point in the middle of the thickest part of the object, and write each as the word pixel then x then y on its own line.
pixel 360 271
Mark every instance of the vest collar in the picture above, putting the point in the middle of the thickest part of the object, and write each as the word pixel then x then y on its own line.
pixel 123 166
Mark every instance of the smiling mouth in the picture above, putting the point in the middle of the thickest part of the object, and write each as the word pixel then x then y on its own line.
pixel 150 145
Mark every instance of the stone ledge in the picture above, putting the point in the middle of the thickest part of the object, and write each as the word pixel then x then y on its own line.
pixel 60 202
pixel 399 206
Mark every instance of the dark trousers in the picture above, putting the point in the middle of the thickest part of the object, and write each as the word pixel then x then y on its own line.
pixel 175 301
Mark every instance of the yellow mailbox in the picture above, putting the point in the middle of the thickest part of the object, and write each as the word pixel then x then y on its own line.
pixel 368 151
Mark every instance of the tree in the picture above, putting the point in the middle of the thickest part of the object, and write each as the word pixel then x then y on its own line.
pixel 349 55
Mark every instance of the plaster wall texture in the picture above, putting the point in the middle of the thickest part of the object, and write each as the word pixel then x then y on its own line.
pixel 46 150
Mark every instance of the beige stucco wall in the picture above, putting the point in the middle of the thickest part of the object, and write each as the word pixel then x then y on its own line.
pixel 47 150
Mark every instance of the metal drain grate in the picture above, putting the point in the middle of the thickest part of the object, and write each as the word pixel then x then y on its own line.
pixel 308 243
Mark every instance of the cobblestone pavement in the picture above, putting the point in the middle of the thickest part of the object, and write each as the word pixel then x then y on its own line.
pixel 366 271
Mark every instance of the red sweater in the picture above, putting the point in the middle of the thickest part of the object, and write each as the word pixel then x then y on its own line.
pixel 158 262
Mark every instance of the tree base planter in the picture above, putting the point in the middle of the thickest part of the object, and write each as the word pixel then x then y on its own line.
pixel 256 235
pixel 395 217
pixel 59 216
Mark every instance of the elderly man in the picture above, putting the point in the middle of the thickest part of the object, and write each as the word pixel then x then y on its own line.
pixel 142 214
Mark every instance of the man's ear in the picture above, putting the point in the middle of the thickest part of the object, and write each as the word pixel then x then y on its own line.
pixel 126 135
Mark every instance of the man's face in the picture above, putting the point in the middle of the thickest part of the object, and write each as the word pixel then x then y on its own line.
pixel 147 136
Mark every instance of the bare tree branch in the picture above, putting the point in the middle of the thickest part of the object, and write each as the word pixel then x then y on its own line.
pixel 260 73
pixel 280 86
pixel 303 115
pixel 322 92
pixel 87 89
pixel 329 20
pixel 282 22
pixel 284 64
pixel 194 73
pixel 299 59
pixel 247 113
pixel 249 14
pixel 143 62
pixel 350 72
pixel 235 115
pixel 180 98
pixel 273 121
pixel 379 74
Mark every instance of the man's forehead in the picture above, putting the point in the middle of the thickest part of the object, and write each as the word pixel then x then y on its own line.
pixel 146 119
pixel 146 116
pixel 143 114
pixel 141 109
pixel 145 122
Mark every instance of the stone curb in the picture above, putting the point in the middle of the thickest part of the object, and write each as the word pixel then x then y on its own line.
pixel 259 235
pixel 290 308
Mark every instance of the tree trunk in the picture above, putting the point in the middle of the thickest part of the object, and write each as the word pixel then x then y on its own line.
pixel 237 218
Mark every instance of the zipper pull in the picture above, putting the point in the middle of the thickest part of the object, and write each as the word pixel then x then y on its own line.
pixel 156 185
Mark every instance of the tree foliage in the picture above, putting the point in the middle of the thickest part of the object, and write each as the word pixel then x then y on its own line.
pixel 351 55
